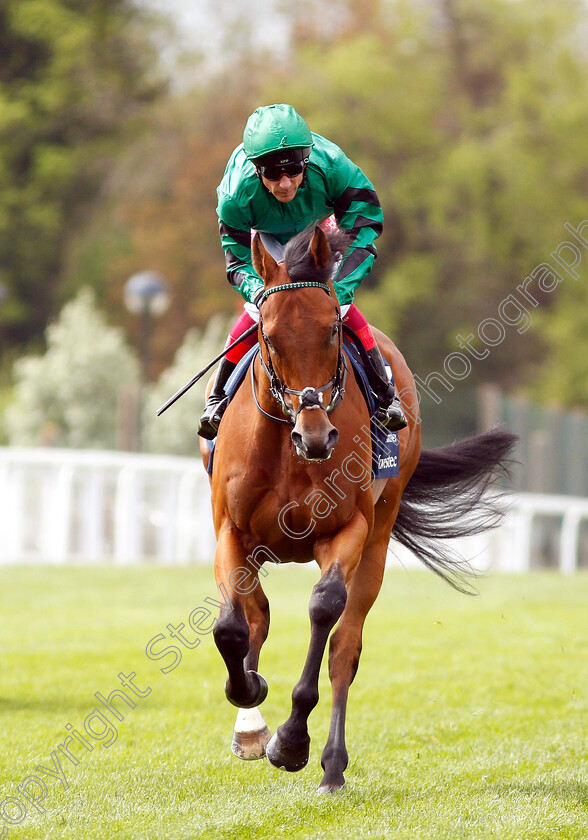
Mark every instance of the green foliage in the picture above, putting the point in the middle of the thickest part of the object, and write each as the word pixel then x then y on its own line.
pixel 73 73
pixel 471 121
pixel 70 396
pixel 158 211
pixel 565 379
pixel 470 118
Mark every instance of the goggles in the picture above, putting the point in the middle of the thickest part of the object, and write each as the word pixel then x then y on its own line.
pixel 273 171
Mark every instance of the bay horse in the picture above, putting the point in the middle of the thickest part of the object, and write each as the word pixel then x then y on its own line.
pixel 291 482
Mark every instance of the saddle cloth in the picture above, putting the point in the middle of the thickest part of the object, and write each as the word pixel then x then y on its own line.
pixel 385 459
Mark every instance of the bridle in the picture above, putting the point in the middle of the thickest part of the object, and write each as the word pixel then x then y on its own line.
pixel 310 398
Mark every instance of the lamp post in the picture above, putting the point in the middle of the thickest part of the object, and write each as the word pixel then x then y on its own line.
pixel 146 295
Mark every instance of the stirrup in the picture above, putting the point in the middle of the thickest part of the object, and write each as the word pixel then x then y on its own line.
pixel 392 416
pixel 211 417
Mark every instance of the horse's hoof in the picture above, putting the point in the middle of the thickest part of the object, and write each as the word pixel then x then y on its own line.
pixel 251 735
pixel 259 686
pixel 332 786
pixel 285 757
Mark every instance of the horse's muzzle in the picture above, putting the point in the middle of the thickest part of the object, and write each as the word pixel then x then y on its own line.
pixel 315 444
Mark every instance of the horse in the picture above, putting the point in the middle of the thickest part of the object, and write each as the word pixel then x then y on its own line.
pixel 291 482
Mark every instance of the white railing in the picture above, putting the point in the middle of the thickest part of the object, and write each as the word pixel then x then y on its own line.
pixel 562 518
pixel 539 531
pixel 59 506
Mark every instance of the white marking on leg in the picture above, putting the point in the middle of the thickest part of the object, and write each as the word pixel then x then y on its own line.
pixel 249 720
pixel 251 735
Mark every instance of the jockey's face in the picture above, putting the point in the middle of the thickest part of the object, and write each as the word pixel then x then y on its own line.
pixel 285 188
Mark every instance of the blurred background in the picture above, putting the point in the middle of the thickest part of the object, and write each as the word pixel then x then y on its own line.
pixel 116 122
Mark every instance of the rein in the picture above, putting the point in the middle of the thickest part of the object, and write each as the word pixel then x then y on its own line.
pixel 310 398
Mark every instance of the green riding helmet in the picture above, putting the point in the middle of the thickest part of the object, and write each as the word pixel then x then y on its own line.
pixel 276 130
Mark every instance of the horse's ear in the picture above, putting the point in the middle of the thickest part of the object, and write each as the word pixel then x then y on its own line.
pixel 256 254
pixel 263 262
pixel 320 249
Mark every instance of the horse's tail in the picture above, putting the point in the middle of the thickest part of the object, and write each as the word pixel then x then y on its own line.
pixel 447 497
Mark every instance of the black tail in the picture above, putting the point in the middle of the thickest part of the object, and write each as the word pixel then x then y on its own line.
pixel 447 498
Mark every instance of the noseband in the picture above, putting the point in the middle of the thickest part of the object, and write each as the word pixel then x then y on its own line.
pixel 310 397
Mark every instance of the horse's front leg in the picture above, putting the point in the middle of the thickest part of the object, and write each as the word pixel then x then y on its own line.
pixel 240 608
pixel 337 558
pixel 251 734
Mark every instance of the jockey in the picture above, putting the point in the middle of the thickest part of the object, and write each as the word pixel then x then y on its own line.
pixel 280 180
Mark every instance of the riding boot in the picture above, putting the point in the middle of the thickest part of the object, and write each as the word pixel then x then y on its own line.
pixel 389 411
pixel 216 402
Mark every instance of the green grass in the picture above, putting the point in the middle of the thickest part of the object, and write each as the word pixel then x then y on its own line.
pixel 468 717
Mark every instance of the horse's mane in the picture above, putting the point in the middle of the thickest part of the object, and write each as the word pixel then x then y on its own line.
pixel 299 263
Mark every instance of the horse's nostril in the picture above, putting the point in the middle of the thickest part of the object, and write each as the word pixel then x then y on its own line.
pixel 332 438
pixel 296 439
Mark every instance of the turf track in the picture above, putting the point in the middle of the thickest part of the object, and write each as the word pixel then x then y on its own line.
pixel 468 717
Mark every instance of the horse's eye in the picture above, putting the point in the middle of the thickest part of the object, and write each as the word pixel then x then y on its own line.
pixel 334 329
pixel 268 341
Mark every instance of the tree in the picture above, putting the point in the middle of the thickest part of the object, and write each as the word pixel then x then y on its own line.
pixel 469 118
pixel 157 211
pixel 73 74
pixel 471 121
pixel 70 396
